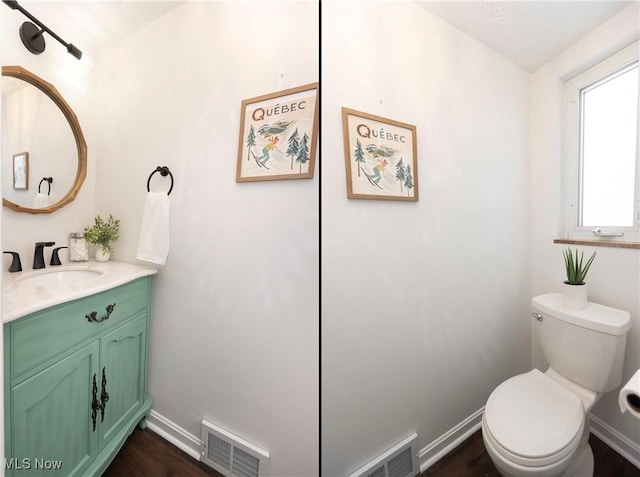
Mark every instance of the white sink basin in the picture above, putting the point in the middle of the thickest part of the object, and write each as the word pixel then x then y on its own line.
pixel 26 292
pixel 52 276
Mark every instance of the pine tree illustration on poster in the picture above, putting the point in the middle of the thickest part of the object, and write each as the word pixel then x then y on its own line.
pixel 251 141
pixel 303 152
pixel 359 156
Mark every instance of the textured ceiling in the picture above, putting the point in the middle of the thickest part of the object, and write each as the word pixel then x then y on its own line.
pixel 530 33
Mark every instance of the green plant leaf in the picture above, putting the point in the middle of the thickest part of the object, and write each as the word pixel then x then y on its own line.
pixel 103 232
pixel 575 267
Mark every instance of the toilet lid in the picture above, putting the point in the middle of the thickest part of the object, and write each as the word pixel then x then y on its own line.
pixel 532 416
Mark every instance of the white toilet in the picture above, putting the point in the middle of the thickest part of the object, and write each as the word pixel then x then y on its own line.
pixel 536 423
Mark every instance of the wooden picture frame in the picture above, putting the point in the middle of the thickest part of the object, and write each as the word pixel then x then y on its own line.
pixel 21 171
pixel 278 135
pixel 381 157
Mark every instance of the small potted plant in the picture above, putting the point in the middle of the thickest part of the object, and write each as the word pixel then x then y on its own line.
pixel 574 292
pixel 103 233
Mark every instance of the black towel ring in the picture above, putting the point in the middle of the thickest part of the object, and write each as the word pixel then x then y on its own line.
pixel 49 180
pixel 164 171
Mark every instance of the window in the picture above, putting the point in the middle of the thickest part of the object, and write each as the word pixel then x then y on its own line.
pixel 602 150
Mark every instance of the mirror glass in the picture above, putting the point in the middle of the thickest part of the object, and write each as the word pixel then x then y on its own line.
pixel 44 154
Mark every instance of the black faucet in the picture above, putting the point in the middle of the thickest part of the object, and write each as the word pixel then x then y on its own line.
pixel 55 258
pixel 38 254
pixel 16 264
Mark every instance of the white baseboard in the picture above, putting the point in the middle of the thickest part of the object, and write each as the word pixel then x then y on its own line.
pixel 175 434
pixel 618 442
pixel 444 444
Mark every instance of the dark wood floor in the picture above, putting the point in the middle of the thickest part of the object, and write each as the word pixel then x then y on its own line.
pixel 147 454
pixel 470 459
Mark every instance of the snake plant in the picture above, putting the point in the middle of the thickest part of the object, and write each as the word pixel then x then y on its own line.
pixel 576 268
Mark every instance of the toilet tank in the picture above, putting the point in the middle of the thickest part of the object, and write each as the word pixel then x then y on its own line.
pixel 586 346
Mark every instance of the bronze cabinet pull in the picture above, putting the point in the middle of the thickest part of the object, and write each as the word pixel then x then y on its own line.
pixel 104 395
pixel 95 404
pixel 93 316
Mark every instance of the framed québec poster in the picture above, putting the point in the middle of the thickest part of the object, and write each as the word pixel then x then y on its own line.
pixel 278 135
pixel 380 157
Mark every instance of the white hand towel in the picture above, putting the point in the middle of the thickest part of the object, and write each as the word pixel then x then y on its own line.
pixel 153 244
pixel 40 201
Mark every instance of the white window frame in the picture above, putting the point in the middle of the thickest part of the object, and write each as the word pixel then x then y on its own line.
pixel 572 147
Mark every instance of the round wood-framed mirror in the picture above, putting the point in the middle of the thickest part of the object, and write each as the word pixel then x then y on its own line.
pixel 22 121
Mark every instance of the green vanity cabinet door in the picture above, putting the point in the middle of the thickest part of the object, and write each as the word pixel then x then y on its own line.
pixel 51 418
pixel 123 370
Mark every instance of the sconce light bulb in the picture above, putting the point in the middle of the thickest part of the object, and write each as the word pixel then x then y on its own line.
pixel 74 51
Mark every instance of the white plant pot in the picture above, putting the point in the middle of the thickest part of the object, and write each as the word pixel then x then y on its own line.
pixel 574 296
pixel 101 255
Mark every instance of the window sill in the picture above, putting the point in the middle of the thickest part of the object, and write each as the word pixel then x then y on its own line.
pixel 599 243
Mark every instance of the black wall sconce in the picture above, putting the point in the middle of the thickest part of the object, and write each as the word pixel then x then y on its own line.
pixel 32 34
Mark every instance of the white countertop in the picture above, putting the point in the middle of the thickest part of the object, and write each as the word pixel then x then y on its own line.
pixel 20 297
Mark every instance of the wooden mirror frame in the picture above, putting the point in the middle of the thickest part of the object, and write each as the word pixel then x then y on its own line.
pixel 56 97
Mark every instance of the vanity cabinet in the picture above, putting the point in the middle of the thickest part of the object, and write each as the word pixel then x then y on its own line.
pixel 75 382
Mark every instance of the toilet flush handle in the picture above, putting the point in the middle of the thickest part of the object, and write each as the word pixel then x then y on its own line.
pixel 537 316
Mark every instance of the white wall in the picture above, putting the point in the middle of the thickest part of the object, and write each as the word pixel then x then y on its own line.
pixel 234 321
pixel 424 305
pixel 74 81
pixel 614 278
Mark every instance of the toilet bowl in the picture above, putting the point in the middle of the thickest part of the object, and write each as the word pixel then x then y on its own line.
pixel 532 425
pixel 536 424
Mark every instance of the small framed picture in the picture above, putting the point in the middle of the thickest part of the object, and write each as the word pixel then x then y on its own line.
pixel 380 156
pixel 278 135
pixel 21 171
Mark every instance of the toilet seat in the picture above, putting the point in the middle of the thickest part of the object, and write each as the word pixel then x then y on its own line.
pixel 533 421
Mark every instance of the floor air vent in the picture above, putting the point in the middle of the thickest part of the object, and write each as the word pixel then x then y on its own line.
pixel 231 455
pixel 399 461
